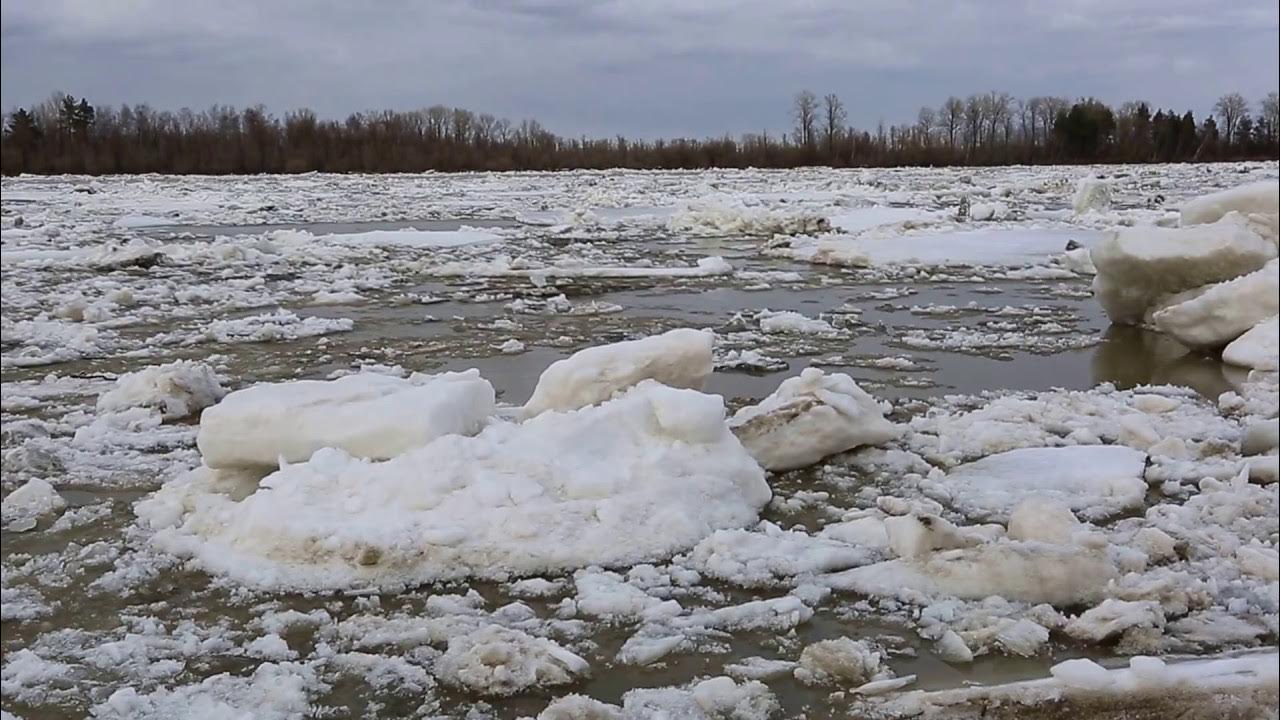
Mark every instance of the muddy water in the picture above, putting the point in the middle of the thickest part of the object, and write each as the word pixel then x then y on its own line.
pixel 463 331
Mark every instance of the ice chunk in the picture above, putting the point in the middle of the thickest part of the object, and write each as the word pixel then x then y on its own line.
pixel 913 536
pixel 1259 561
pixel 272 691
pixel 22 508
pixel 368 415
pixel 633 480
pixel 1258 348
pixel 1023 637
pixel 500 661
pixel 758 668
pixel 1224 311
pixel 1095 481
pixel 412 238
pixel 1092 194
pixel 759 558
pixel 988 211
pixel 607 595
pixel 732 217
pixel 1079 261
pixel 679 358
pixel 788 321
pixel 810 417
pixel 718 697
pixel 952 648
pixel 840 661
pixel 1043 520
pixel 1081 673
pixel 1113 617
pixel 580 707
pixel 1243 686
pixel 178 389
pixel 1260 198
pixel 1137 266
pixel 1261 436
pixel 1029 572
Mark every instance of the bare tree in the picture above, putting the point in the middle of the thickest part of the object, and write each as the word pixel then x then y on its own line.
pixel 974 121
pixel 833 120
pixel 952 117
pixel 804 111
pixel 1034 110
pixel 1229 109
pixel 1269 117
pixel 926 119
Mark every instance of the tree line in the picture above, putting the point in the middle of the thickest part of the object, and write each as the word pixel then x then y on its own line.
pixel 69 135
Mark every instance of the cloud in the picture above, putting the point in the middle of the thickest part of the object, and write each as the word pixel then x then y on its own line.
pixel 665 67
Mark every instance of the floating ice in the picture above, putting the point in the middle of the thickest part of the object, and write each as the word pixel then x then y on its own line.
pixel 1257 348
pixel 22 508
pixel 1225 311
pixel 810 417
pixel 1092 194
pixel 499 661
pixel 368 415
pixel 1262 198
pixel 679 358
pixel 178 389
pixel 633 480
pixel 1095 481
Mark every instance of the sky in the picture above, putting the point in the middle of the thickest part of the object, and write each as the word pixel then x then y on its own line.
pixel 664 68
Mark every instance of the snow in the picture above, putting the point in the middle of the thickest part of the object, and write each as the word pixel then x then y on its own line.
pixel 1225 311
pixel 680 358
pixel 1261 198
pixel 809 417
pixel 1140 265
pixel 500 661
pixel 22 508
pixel 632 480
pixel 1258 347
pixel 368 415
pixel 1095 481
pixel 178 389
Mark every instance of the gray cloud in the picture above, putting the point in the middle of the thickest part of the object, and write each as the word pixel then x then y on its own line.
pixel 665 67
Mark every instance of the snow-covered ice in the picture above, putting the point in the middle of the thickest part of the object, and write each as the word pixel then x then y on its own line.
pixel 632 480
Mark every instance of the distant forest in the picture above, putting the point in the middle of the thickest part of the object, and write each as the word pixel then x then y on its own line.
pixel 67 135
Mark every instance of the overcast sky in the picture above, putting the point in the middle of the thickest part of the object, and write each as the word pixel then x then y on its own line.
pixel 660 68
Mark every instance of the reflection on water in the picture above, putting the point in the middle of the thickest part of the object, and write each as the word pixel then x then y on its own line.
pixel 1131 356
